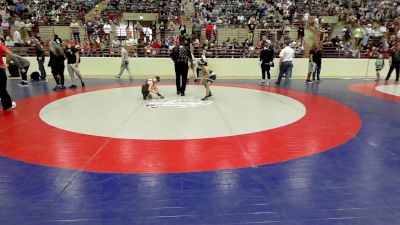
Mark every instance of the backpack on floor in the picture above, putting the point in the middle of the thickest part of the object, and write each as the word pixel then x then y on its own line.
pixel 35 76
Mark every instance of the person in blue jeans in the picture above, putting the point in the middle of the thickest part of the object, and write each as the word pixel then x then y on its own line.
pixel 285 63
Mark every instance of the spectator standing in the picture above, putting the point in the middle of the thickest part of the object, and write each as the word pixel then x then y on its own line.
pixel 300 33
pixel 56 64
pixel 379 64
pixel 305 19
pixel 17 38
pixel 40 57
pixel 311 65
pixel 171 30
pixel 138 29
pixel 196 30
pixel 181 55
pixel 182 28
pixel 267 56
pixel 6 101
pixel 74 26
pixel 317 60
pixel 251 25
pixel 162 31
pixel 148 34
pixel 107 30
pixel 358 35
pixel 209 30
pixel 124 63
pixel 23 66
pixel 285 63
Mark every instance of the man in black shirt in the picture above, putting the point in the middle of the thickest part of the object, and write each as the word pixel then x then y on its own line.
pixel 300 33
pixel 267 56
pixel 317 60
pixel 181 55
pixel 73 58
pixel 394 62
pixel 335 41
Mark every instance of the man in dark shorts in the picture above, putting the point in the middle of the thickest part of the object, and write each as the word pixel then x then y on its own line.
pixel 149 87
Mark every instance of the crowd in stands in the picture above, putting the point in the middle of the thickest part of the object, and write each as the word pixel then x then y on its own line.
pixel 43 11
pixel 167 9
pixel 370 25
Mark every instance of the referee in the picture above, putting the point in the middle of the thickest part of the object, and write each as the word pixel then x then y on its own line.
pixel 285 63
pixel 181 55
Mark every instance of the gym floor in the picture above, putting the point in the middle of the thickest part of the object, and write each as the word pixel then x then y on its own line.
pixel 324 153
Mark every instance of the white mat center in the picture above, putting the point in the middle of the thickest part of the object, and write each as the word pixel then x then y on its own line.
pixel 122 113
pixel 393 89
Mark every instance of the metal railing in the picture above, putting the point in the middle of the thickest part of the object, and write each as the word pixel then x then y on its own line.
pixel 134 51
pixel 218 52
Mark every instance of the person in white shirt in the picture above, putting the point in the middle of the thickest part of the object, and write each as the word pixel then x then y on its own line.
pixel 8 42
pixel 149 33
pixel 107 30
pixel 115 43
pixel 305 19
pixel 74 26
pixel 17 38
pixel 285 63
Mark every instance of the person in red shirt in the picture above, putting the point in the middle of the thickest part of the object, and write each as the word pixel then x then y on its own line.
pixel 155 44
pixel 6 101
pixel 209 30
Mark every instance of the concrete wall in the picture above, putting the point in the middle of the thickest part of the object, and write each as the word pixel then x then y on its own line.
pixel 225 68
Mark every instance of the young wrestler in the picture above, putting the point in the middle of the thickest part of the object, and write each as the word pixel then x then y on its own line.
pixel 209 79
pixel 150 86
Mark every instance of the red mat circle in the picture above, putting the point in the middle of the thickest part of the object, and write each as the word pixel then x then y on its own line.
pixel 25 137
pixel 368 88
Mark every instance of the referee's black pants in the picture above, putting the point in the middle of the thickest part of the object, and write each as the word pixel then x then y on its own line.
pixel 395 65
pixel 181 70
pixel 5 97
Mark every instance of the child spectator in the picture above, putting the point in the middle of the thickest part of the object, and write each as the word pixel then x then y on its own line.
pixel 379 64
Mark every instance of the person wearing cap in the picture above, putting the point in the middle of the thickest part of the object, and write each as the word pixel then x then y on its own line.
pixel 150 86
pixel 285 63
pixel 267 56
pixel 73 60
